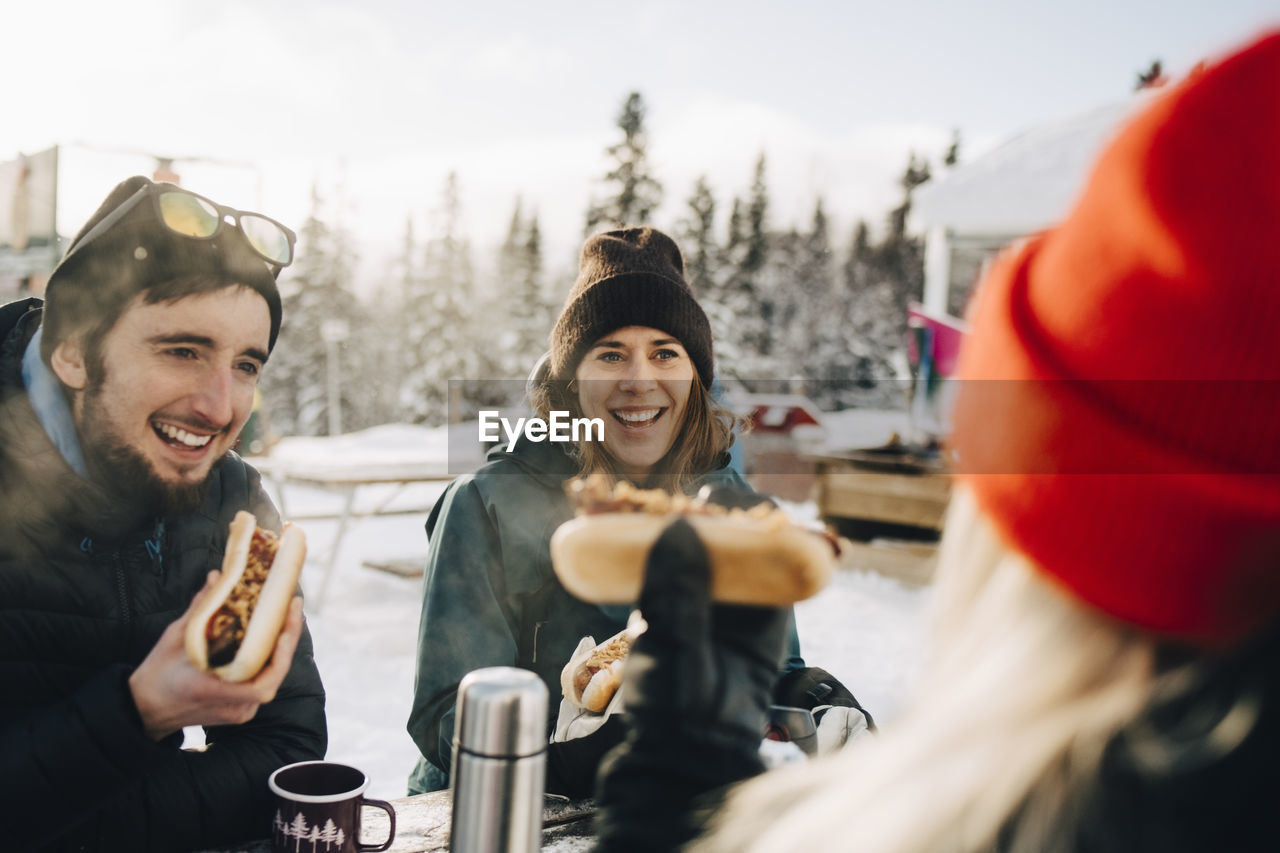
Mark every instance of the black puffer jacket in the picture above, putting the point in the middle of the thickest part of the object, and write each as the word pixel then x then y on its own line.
pixel 86 589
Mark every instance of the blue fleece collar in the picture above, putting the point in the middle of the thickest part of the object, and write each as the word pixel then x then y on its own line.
pixel 47 398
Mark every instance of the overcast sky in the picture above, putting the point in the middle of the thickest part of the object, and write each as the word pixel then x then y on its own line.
pixel 385 97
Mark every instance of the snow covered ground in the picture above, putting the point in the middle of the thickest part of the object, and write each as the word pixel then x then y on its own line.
pixel 864 628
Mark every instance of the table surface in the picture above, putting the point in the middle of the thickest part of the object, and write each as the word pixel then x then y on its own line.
pixel 422 826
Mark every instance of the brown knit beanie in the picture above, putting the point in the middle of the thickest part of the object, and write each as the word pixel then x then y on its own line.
pixel 630 277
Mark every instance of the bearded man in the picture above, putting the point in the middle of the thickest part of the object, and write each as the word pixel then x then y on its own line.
pixel 121 398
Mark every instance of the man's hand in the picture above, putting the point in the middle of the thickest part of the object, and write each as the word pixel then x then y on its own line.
pixel 170 693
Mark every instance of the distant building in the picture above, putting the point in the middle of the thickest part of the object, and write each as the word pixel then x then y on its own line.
pixel 47 195
pixel 29 246
pixel 1023 186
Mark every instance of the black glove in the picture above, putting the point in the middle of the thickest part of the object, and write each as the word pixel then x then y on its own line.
pixel 698 688
pixel 814 687
pixel 572 764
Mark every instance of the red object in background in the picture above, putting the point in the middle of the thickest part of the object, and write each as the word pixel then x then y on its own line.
pixel 933 351
pixel 780 417
pixel 945 336
pixel 783 428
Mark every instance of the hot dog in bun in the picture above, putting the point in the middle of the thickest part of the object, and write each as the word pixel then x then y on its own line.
pixel 594 673
pixel 233 631
pixel 758 556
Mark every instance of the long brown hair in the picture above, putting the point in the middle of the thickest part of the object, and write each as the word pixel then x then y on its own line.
pixel 705 433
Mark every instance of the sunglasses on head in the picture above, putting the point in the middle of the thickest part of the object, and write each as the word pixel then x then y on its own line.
pixel 190 215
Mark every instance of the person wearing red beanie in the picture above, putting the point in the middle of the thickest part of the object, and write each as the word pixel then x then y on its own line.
pixel 1103 671
pixel 1119 419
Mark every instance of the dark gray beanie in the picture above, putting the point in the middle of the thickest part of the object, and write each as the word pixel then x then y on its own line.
pixel 135 254
pixel 630 277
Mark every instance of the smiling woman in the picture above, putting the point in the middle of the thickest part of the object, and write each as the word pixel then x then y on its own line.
pixel 637 380
pixel 631 349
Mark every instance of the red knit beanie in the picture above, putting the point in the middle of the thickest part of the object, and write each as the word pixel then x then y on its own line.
pixel 1119 412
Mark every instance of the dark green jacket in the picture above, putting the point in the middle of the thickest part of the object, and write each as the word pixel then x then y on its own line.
pixel 87 586
pixel 491 598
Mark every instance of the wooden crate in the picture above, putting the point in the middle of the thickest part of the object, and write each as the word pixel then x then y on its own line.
pixel 885 497
pixel 918 500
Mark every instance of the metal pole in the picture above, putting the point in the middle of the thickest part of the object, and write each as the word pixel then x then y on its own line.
pixel 334 332
pixel 335 403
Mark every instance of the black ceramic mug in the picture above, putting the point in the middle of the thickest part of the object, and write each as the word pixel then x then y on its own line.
pixel 318 806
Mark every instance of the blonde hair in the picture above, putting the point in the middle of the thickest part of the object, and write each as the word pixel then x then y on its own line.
pixel 705 433
pixel 1023 690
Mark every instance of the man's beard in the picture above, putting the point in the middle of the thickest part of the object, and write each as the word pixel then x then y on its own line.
pixel 125 472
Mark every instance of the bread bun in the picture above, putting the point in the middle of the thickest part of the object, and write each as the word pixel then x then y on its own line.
pixel 601 558
pixel 251 608
pixel 594 673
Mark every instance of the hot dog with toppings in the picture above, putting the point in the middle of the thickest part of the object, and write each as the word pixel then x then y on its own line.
pixel 234 630
pixel 593 675
pixel 758 556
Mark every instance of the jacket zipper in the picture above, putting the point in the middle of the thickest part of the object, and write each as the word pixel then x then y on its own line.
pixel 122 588
pixel 537 626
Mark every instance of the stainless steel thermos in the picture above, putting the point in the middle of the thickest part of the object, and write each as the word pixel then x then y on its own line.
pixel 499 762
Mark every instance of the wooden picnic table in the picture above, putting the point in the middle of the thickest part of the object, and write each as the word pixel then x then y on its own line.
pixel 347 481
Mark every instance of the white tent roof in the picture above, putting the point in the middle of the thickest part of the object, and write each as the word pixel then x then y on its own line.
pixel 1027 183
